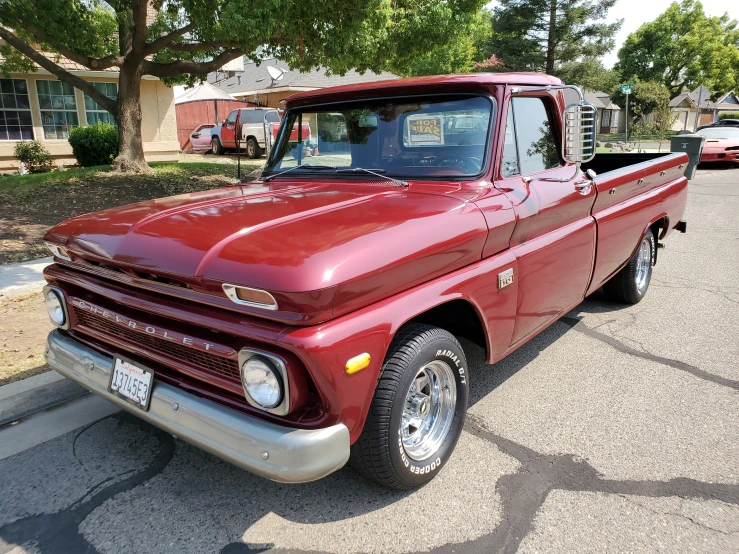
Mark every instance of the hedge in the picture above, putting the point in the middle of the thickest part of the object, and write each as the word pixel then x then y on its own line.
pixel 95 144
pixel 728 115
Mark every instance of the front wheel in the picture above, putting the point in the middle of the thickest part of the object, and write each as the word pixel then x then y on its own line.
pixel 418 409
pixel 630 284
pixel 216 147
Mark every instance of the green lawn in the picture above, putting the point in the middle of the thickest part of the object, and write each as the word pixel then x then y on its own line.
pixel 633 137
pixel 31 204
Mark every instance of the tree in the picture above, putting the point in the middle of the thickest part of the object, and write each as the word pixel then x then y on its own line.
pixel 540 35
pixel 684 48
pixel 190 38
pixel 457 54
pixel 588 73
pixel 646 97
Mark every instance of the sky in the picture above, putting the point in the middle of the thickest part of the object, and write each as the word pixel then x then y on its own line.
pixel 637 12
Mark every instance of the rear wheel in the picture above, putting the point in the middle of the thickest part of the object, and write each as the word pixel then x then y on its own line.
pixel 631 283
pixel 418 409
pixel 216 147
pixel 252 149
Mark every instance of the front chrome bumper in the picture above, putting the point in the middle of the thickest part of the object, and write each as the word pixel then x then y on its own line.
pixel 279 453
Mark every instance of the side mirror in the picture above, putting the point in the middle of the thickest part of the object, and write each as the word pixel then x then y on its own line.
pixel 195 135
pixel 578 140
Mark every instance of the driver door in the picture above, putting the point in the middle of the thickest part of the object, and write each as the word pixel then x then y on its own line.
pixel 554 236
pixel 228 130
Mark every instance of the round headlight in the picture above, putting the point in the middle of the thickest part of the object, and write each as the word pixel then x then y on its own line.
pixel 262 381
pixel 55 308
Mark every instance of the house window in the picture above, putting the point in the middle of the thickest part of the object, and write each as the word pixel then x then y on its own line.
pixel 58 108
pixel 15 110
pixel 94 112
pixel 606 119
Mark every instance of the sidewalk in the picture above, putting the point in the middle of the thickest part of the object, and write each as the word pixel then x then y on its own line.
pixel 22 278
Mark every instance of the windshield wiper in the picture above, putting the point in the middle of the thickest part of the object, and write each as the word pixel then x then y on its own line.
pixel 301 166
pixel 375 172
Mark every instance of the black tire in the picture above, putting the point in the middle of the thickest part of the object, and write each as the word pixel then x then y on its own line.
pixel 380 453
pixel 216 147
pixel 629 285
pixel 252 149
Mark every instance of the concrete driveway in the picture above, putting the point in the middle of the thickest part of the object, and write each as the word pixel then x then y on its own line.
pixel 615 430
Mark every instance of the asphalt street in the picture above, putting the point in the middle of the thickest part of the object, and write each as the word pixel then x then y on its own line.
pixel 616 430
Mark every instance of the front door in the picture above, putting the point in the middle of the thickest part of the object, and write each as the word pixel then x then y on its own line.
pixel 228 130
pixel 554 236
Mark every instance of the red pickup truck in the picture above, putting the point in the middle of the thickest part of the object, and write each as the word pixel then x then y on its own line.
pixel 311 318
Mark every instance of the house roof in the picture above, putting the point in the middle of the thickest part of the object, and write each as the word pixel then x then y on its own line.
pixel 692 97
pixel 600 99
pixel 255 79
pixel 203 91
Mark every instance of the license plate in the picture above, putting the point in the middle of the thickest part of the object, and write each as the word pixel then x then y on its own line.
pixel 132 383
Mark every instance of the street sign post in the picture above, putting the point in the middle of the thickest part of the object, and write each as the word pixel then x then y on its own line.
pixel 626 90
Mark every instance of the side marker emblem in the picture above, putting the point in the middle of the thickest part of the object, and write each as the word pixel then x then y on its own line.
pixel 505 278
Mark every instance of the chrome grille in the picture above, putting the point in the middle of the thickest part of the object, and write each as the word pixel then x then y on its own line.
pixel 204 361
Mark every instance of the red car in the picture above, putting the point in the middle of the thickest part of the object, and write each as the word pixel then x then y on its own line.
pixel 722 144
pixel 311 318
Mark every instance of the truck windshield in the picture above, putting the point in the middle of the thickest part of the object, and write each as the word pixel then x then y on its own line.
pixel 408 137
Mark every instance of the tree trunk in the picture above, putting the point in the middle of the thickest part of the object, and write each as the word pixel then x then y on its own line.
pixel 551 37
pixel 127 114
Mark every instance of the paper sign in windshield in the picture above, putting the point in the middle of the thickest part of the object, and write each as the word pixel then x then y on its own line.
pixel 425 130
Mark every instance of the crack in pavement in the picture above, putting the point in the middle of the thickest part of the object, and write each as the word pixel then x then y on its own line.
pixel 58 533
pixel 523 493
pixel 579 326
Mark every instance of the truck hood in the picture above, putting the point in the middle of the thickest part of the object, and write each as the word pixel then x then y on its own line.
pixel 361 240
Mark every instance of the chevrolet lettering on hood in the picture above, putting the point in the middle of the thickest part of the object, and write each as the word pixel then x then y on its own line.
pixel 146 329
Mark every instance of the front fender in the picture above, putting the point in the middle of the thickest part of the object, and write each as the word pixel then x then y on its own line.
pixel 325 348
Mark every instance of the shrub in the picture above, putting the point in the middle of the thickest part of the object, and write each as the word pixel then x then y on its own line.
pixel 728 115
pixel 95 144
pixel 34 156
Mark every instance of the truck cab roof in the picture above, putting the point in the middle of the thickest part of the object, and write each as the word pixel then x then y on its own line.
pixel 428 84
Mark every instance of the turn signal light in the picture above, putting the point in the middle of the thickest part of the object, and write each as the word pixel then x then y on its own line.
pixel 357 363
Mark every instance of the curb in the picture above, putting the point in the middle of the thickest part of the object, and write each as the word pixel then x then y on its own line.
pixel 36 394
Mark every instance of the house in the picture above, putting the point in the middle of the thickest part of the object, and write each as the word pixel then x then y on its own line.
pixel 608 117
pixel 37 106
pixel 270 82
pixel 695 108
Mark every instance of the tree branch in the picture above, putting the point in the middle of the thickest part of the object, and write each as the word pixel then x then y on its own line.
pixel 191 47
pixel 91 63
pixel 59 72
pixel 156 45
pixel 186 66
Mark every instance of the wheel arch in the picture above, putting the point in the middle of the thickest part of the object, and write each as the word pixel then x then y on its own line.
pixel 460 317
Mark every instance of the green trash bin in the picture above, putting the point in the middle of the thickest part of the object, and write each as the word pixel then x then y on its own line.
pixel 692 145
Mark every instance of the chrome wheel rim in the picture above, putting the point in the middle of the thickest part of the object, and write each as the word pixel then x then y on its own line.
pixel 429 410
pixel 214 147
pixel 250 149
pixel 643 263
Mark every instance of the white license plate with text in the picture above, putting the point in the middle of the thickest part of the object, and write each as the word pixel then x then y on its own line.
pixel 132 383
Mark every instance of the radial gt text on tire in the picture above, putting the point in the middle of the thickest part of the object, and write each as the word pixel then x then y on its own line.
pixel 216 147
pixel 418 409
pixel 631 283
